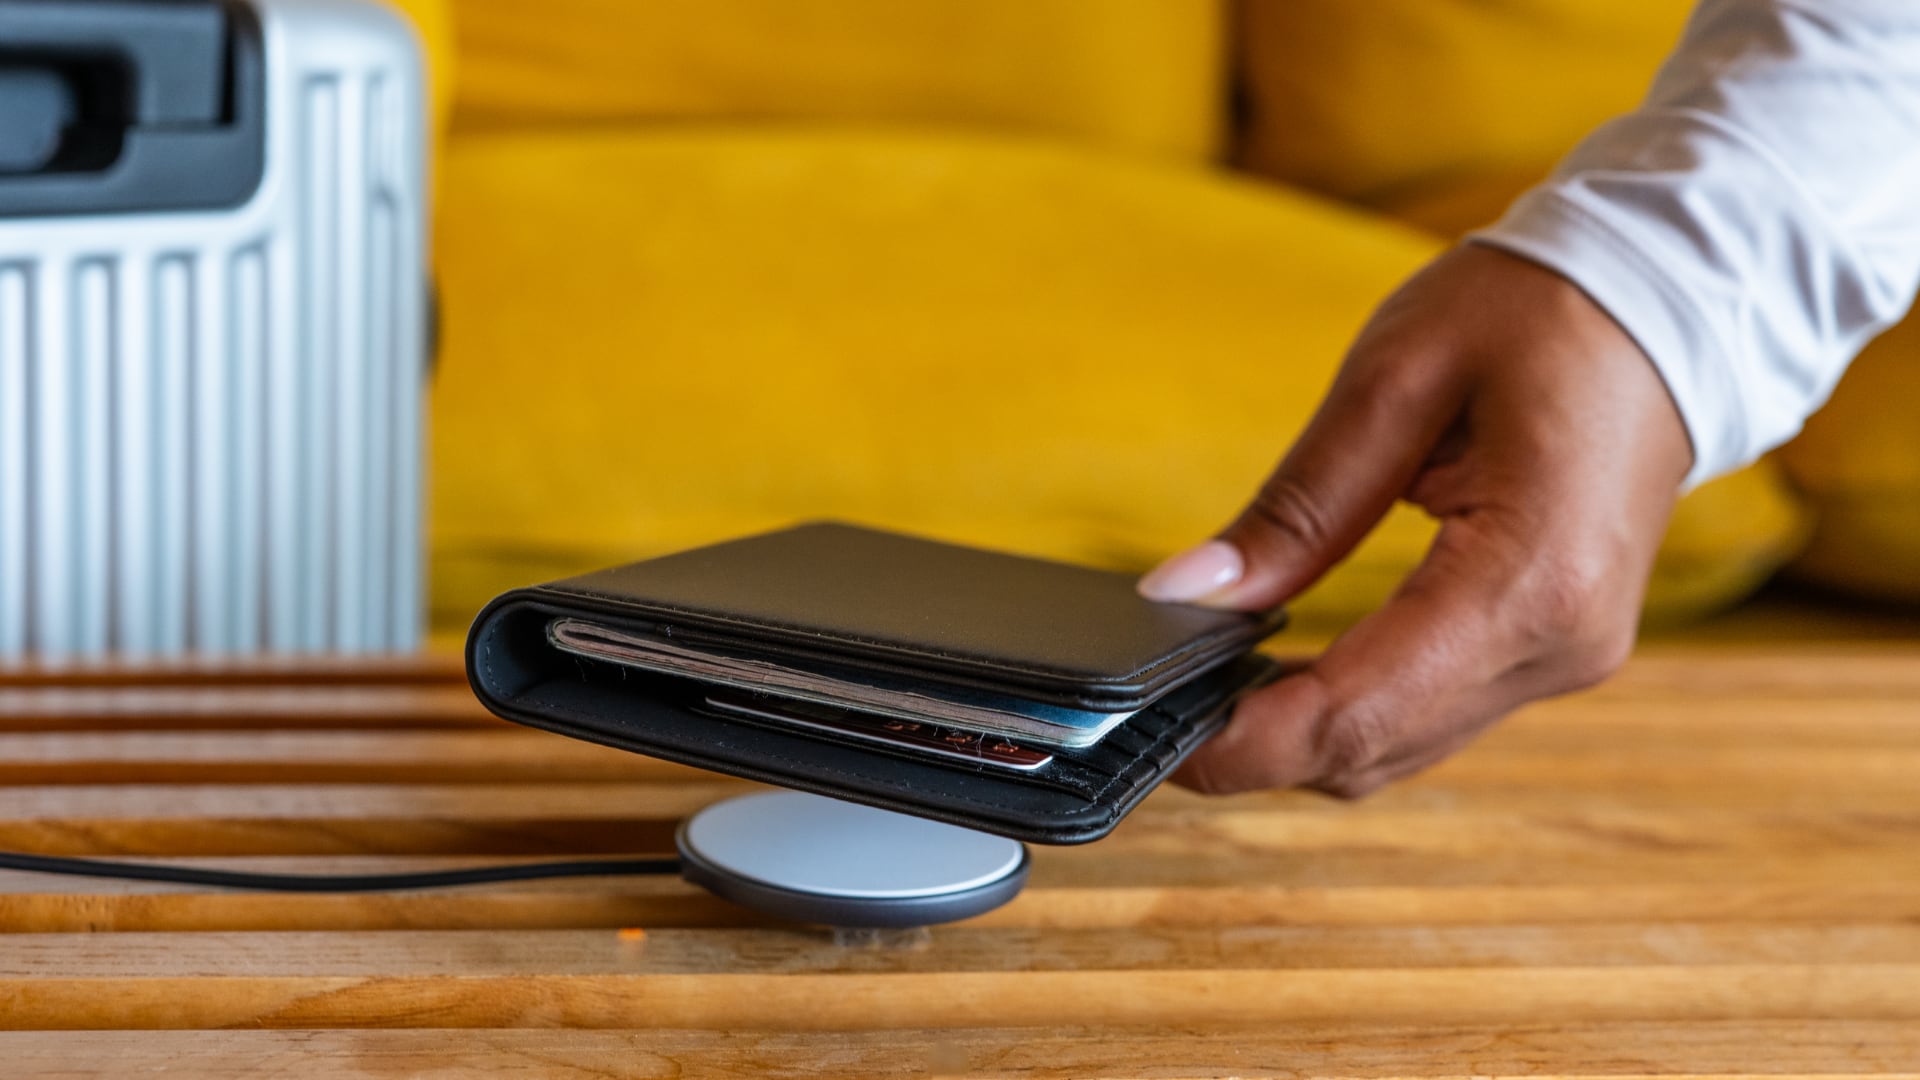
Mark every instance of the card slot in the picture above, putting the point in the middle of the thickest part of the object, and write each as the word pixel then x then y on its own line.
pixel 1098 761
pixel 1153 721
pixel 1126 739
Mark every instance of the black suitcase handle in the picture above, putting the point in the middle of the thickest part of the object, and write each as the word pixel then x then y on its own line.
pixel 123 106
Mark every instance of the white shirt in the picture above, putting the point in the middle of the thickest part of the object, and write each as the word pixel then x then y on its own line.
pixel 1757 220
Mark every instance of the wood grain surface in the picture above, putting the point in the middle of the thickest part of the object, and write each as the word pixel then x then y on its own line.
pixel 1709 866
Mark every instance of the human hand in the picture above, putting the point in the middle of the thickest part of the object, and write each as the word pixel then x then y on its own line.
pixel 1495 395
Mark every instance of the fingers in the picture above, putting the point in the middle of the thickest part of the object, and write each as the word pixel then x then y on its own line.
pixel 1347 713
pixel 1378 424
pixel 1473 633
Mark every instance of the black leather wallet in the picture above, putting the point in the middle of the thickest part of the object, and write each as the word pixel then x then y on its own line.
pixel 1019 696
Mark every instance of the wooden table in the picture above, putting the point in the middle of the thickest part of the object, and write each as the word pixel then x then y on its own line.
pixel 1709 866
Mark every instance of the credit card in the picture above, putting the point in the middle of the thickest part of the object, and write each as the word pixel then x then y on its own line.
pixel 946 706
pixel 921 738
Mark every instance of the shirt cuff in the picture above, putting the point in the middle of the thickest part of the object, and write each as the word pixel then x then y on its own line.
pixel 1547 227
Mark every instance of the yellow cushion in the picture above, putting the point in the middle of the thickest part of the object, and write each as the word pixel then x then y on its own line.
pixel 1439 111
pixel 1859 461
pixel 654 341
pixel 1145 75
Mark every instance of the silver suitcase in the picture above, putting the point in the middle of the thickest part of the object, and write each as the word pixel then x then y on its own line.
pixel 213 328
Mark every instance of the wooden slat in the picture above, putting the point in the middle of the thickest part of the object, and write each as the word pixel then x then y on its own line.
pixel 810 1002
pixel 797 980
pixel 436 667
pixel 269 819
pixel 1302 1051
pixel 1594 724
pixel 41 904
pixel 1063 893
pixel 1075 895
pixel 742 952
pixel 497 754
pixel 1783 670
pixel 188 708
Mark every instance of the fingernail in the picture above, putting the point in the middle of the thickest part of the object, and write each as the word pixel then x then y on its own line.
pixel 1194 573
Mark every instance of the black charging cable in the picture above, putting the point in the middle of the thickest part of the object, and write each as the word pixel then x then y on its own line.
pixel 335 883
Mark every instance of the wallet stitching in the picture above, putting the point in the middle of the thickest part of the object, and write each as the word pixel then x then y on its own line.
pixel 1142 761
pixel 1192 646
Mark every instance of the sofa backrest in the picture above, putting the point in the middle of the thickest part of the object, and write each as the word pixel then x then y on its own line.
pixel 1137 75
pixel 1437 111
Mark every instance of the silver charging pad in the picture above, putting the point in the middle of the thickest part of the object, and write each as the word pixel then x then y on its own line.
pixel 820 860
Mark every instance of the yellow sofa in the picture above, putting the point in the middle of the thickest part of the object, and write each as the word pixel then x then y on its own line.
pixel 1014 272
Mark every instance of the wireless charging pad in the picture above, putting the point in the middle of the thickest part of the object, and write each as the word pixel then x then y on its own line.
pixel 820 860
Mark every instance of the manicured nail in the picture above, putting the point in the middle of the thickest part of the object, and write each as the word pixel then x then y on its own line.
pixel 1194 573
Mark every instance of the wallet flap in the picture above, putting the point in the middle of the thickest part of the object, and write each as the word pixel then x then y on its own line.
pixel 881 601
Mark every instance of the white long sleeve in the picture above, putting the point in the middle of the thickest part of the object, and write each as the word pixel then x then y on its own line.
pixel 1757 220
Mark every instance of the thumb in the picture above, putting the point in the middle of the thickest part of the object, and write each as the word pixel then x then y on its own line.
pixel 1364 446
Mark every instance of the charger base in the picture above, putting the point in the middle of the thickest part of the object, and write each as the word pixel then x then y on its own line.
pixel 818 860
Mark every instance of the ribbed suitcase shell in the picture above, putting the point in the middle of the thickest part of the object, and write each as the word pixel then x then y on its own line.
pixel 210 422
